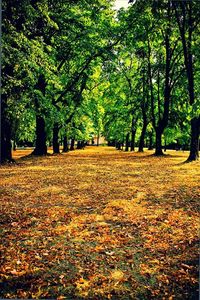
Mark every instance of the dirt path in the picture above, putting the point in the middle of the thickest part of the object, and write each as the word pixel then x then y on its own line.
pixel 99 224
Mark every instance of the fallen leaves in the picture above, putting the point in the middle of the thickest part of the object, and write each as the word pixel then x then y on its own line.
pixel 99 224
pixel 117 275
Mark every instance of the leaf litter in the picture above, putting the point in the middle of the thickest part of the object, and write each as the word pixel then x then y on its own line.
pixel 99 224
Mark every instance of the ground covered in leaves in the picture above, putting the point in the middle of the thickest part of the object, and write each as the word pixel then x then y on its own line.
pixel 99 224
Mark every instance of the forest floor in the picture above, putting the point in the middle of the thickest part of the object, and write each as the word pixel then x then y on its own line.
pixel 99 224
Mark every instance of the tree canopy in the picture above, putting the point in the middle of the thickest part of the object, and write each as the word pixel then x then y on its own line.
pixel 72 70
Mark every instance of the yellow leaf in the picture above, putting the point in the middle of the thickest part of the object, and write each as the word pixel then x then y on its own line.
pixel 117 275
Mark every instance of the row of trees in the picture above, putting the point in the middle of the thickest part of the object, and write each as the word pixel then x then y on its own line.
pixel 73 68
pixel 156 75
pixel 50 51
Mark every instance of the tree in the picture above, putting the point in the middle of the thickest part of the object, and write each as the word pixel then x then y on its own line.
pixel 160 45
pixel 188 20
pixel 60 41
pixel 13 20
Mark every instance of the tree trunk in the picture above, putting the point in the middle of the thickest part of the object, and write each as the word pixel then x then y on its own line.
pixel 162 120
pixel 133 132
pixel 158 151
pixel 127 142
pixel 194 143
pixel 72 144
pixel 165 149
pixel 14 137
pixel 162 123
pixel 188 60
pixel 118 145
pixel 142 136
pixel 65 144
pixel 40 145
pixel 14 145
pixel 79 145
pixel 150 141
pixel 83 143
pixel 144 108
pixel 56 147
pixel 98 137
pixel 6 146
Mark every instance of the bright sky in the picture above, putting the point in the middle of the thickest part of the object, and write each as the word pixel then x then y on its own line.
pixel 120 3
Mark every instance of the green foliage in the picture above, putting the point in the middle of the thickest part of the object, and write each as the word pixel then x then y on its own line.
pixel 98 68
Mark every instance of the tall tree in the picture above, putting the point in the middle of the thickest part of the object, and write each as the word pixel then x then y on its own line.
pixel 188 19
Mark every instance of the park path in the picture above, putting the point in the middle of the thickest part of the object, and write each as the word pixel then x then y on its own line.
pixel 97 224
